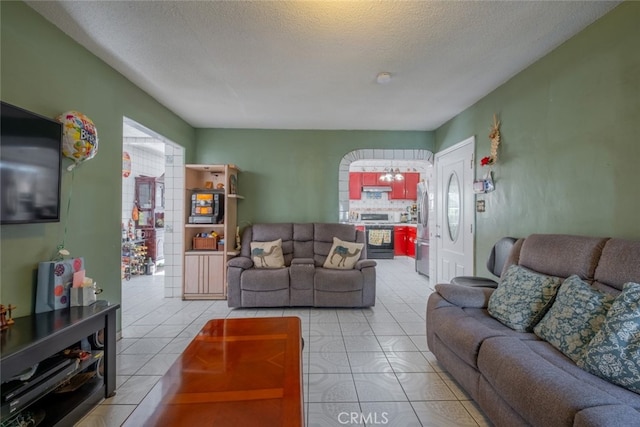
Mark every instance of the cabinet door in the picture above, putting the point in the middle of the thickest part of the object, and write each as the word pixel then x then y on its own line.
pixel 355 185
pixel 411 241
pixel 204 274
pixel 214 267
pixel 411 180
pixel 370 178
pixel 397 190
pixel 399 241
pixel 192 274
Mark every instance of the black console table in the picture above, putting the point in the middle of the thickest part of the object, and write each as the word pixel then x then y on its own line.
pixel 35 338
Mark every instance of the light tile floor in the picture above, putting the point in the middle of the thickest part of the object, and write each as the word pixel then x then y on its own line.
pixel 361 366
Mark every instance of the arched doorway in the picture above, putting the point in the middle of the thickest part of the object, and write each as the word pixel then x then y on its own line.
pixel 371 154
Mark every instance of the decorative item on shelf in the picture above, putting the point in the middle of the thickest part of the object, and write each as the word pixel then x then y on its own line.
pixel 5 316
pixel 233 184
pixel 486 185
pixel 206 241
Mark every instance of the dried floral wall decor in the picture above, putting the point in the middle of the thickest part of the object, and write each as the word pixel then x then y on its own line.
pixel 494 137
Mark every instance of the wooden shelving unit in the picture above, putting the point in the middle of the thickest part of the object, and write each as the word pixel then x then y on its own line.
pixel 205 270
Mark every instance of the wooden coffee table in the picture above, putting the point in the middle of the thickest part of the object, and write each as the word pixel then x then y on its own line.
pixel 235 372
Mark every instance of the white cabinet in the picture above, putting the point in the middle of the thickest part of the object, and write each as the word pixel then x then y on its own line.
pixel 203 275
pixel 205 270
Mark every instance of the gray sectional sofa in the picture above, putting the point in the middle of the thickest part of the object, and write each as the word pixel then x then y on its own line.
pixel 303 281
pixel 515 377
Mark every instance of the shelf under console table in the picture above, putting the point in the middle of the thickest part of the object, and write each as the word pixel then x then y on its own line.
pixel 32 339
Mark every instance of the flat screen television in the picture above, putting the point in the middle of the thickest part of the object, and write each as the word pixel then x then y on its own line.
pixel 30 167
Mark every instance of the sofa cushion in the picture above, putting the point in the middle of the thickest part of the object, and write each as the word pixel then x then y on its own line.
pixel 337 280
pixel 343 255
pixel 522 298
pixel 614 352
pixel 562 255
pixel 267 254
pixel 574 318
pixel 540 390
pixel 619 263
pixel 262 280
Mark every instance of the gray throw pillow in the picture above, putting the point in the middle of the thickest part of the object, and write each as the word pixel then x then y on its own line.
pixel 522 298
pixel 574 318
pixel 614 352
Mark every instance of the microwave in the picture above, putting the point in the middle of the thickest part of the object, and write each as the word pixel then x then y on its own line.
pixel 207 208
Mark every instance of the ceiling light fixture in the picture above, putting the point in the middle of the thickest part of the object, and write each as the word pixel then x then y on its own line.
pixel 383 78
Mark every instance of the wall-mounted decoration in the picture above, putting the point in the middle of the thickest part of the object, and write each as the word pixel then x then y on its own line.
pixel 126 164
pixel 486 184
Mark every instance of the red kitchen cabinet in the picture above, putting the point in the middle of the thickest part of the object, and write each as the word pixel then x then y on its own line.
pixel 397 190
pixel 411 180
pixel 412 233
pixel 404 241
pixel 406 189
pixel 371 178
pixel 400 241
pixel 355 185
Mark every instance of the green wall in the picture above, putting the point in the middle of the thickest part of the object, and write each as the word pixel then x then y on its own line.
pixel 292 175
pixel 45 71
pixel 570 153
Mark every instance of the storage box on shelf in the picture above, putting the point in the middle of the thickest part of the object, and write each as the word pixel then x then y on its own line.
pixel 210 219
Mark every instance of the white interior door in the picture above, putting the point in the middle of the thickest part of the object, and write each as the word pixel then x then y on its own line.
pixel 455 217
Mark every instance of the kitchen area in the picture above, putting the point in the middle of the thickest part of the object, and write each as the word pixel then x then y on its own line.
pixel 389 200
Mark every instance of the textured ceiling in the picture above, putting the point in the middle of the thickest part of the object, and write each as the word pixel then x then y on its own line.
pixel 313 64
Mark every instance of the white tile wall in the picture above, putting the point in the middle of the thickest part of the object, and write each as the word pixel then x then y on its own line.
pixel 167 158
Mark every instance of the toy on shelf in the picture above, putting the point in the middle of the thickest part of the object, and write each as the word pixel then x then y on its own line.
pixel 5 316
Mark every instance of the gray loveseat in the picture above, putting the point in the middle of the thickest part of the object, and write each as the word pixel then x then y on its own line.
pixel 515 377
pixel 302 281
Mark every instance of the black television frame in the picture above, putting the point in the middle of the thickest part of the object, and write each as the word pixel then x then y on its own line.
pixel 29 115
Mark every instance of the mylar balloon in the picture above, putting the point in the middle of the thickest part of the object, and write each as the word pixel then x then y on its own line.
pixel 79 137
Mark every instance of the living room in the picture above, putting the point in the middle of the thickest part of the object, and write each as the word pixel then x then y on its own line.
pixel 568 159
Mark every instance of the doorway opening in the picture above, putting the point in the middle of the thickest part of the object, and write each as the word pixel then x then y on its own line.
pixel 152 200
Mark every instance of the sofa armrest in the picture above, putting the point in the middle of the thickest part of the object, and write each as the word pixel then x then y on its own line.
pixel 618 415
pixel 363 263
pixel 302 261
pixel 465 296
pixel 240 262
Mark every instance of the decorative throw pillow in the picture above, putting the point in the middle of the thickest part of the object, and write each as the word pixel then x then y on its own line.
pixel 522 298
pixel 574 318
pixel 267 254
pixel 614 352
pixel 343 255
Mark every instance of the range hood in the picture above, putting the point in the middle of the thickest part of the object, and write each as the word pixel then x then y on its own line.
pixel 375 189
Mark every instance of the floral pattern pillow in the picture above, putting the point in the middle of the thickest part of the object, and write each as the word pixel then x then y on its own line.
pixel 522 297
pixel 614 352
pixel 574 318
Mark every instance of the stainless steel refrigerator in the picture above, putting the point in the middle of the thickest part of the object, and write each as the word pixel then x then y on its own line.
pixel 422 241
